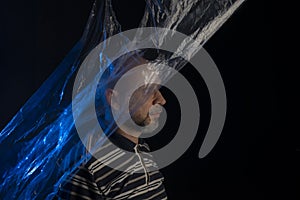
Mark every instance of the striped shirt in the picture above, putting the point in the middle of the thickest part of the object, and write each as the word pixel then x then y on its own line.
pixel 116 174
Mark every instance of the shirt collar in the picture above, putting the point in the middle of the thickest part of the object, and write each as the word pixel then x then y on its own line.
pixel 126 144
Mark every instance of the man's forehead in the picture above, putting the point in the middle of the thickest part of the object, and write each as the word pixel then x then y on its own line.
pixel 146 73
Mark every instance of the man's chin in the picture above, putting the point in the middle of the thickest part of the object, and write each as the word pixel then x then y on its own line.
pixel 150 127
pixel 147 126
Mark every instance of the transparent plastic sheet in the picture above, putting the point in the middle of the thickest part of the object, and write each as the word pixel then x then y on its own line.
pixel 42 139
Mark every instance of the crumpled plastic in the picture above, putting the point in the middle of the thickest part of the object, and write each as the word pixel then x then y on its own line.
pixel 43 143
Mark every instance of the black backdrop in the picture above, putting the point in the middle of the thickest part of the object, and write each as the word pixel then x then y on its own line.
pixel 36 35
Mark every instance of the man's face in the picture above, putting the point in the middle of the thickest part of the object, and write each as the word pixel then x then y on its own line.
pixel 144 105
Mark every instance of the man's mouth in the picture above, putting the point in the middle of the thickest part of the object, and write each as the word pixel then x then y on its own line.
pixel 154 115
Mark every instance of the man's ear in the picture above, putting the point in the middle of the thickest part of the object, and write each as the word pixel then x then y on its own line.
pixel 112 101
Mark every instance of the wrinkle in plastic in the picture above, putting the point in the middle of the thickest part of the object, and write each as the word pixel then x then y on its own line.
pixel 40 146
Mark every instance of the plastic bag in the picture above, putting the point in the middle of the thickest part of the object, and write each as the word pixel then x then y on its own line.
pixel 42 137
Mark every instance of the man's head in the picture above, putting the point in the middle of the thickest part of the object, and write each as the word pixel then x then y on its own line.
pixel 144 103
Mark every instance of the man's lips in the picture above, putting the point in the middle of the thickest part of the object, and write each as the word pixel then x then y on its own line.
pixel 154 115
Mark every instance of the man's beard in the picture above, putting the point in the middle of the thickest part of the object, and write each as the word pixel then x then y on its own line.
pixel 152 126
pixel 143 126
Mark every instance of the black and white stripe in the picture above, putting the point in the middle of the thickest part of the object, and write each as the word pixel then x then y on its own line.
pixel 131 177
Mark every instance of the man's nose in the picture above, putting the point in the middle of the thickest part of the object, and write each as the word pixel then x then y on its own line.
pixel 160 99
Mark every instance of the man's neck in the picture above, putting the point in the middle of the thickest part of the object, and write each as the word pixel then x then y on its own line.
pixel 133 136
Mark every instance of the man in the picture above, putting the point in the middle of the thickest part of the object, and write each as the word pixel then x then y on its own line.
pixel 111 173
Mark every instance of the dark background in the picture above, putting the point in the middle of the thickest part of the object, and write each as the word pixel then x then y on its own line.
pixel 37 35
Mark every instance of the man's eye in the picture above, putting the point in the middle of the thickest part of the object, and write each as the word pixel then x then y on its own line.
pixel 156 92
